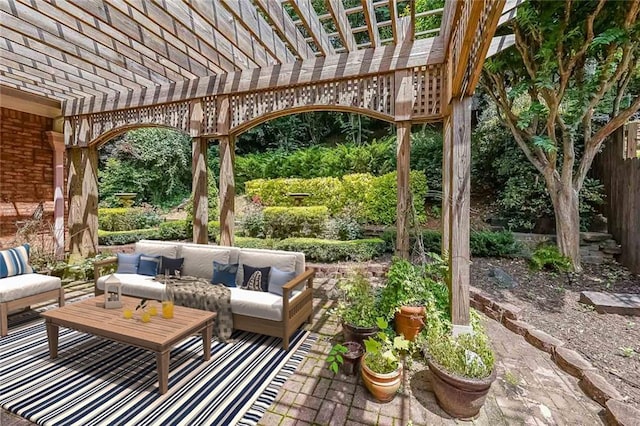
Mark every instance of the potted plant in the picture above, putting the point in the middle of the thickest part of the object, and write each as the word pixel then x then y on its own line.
pixel 381 367
pixel 345 357
pixel 462 367
pixel 357 308
pixel 408 289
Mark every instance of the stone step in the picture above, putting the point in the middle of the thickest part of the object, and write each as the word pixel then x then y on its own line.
pixel 612 303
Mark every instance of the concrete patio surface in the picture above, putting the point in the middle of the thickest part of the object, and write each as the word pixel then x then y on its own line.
pixel 530 388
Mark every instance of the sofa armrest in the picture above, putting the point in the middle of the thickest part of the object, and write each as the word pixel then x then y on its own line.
pixel 307 293
pixel 99 265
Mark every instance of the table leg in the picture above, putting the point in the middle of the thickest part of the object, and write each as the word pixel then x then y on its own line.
pixel 162 361
pixel 207 332
pixel 52 338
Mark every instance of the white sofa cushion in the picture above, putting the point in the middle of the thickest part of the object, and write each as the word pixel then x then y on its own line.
pixel 257 304
pixel 157 249
pixel 19 286
pixel 198 261
pixel 135 285
pixel 281 260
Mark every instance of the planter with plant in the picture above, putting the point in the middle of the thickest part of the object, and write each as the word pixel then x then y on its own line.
pixel 408 289
pixel 462 367
pixel 345 357
pixel 381 364
pixel 357 308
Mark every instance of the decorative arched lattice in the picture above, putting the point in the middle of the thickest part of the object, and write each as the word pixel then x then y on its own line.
pixel 375 95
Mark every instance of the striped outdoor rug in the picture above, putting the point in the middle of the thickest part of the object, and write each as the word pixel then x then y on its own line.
pixel 94 381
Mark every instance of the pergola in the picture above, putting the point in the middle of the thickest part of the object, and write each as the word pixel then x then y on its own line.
pixel 215 68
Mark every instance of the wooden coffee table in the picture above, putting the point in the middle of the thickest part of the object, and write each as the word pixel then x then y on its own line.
pixel 159 335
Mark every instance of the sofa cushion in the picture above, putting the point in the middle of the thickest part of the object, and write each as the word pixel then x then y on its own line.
pixel 128 263
pixel 283 261
pixel 137 285
pixel 157 248
pixel 171 265
pixel 224 273
pixel 19 286
pixel 256 279
pixel 15 261
pixel 149 265
pixel 198 261
pixel 278 278
pixel 256 304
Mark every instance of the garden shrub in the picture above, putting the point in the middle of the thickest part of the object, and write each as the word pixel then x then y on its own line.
pixel 248 242
pixel 127 219
pixel 382 197
pixel 354 194
pixel 319 250
pixel 493 244
pixel 273 192
pixel 284 222
pixel 343 227
pixel 173 230
pixel 114 238
pixel 548 257
pixel 431 240
pixel 252 222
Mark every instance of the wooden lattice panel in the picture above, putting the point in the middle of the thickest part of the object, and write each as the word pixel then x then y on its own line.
pixel 174 115
pixel 209 121
pixel 475 44
pixel 428 85
pixel 372 93
pixel 459 31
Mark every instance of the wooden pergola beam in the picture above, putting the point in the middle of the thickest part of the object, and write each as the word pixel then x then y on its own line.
pixel 336 8
pixel 372 24
pixel 331 68
pixel 312 23
pixel 284 25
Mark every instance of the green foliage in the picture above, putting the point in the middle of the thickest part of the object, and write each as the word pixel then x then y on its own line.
pixel 283 222
pixel 468 354
pixel 174 230
pixel 426 154
pixel 382 353
pixel 343 227
pixel 549 257
pixel 381 199
pixel 155 163
pixel 413 285
pixel 127 219
pixel 335 358
pixel 273 192
pixel 493 244
pixel 115 238
pixel 357 305
pixel 248 242
pixel 252 223
pixel 326 251
pixel 426 22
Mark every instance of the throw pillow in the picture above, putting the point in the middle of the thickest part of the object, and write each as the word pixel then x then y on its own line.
pixel 256 279
pixel 224 273
pixel 128 263
pixel 171 265
pixel 279 278
pixel 149 265
pixel 15 261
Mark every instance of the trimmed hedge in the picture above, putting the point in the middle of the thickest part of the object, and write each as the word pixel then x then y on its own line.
pixel 319 250
pixel 116 238
pixel 183 230
pixel 283 222
pixel 127 219
pixel 248 242
pixel 370 199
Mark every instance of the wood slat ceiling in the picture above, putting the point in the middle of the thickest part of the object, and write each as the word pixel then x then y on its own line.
pixel 71 49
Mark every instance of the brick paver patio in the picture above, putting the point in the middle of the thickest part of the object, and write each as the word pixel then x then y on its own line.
pixel 530 388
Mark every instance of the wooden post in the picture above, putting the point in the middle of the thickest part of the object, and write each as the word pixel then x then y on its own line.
pixel 447 142
pixel 459 164
pixel 403 218
pixel 83 201
pixel 199 189
pixel 56 140
pixel 227 189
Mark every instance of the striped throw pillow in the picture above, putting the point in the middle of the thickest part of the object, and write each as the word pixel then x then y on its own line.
pixel 15 261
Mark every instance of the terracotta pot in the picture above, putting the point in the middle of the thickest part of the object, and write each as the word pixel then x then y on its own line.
pixel 383 387
pixel 351 358
pixel 460 397
pixel 409 321
pixel 357 334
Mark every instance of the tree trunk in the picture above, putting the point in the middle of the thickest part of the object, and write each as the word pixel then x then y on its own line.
pixel 565 203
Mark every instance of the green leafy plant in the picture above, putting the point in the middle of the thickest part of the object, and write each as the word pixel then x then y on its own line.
pixel 335 358
pixel 468 355
pixel 626 351
pixel 383 352
pixel 252 222
pixel 357 305
pixel 319 250
pixel 549 257
pixel 127 219
pixel 283 222
pixel 117 238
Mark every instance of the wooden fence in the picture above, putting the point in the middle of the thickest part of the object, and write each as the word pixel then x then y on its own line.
pixel 618 167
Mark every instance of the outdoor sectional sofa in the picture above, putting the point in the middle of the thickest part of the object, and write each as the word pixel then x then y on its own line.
pixel 254 311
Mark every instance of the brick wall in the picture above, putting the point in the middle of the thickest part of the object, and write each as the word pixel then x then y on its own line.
pixel 26 168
